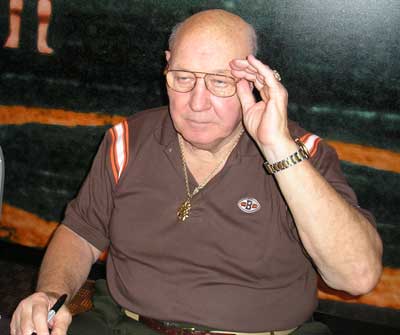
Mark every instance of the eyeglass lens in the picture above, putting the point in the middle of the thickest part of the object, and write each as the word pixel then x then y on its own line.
pixel 185 81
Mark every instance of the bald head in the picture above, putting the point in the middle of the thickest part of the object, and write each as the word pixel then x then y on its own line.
pixel 216 26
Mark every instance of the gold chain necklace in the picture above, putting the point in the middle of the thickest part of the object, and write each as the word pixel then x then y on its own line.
pixel 184 209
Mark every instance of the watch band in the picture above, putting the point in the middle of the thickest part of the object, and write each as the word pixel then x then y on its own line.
pixel 297 157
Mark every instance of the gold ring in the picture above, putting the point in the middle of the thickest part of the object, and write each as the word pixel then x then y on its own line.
pixel 277 75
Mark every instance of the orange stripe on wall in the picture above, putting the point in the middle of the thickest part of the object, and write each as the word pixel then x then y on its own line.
pixel 21 115
pixel 369 156
pixel 358 154
pixel 386 293
pixel 22 227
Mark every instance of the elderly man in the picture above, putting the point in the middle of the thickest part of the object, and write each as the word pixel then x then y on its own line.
pixel 217 211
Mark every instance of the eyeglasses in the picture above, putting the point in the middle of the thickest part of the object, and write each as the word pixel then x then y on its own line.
pixel 184 81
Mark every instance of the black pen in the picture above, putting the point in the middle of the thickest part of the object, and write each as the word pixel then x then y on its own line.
pixel 60 301
pixel 53 310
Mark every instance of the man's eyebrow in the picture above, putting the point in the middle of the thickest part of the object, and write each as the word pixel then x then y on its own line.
pixel 218 71
pixel 225 71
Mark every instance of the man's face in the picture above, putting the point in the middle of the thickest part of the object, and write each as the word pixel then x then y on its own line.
pixel 202 118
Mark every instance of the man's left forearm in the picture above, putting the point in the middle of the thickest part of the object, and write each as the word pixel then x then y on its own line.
pixel 343 244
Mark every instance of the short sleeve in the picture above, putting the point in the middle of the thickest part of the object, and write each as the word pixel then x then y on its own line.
pixel 89 213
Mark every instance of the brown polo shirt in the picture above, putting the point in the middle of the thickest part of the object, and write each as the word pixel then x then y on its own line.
pixel 236 263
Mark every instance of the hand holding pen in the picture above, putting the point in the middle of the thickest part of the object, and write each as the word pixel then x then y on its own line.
pixel 53 310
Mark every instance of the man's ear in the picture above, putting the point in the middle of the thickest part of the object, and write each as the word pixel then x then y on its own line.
pixel 167 55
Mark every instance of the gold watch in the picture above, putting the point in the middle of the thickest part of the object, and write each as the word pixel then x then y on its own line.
pixel 297 157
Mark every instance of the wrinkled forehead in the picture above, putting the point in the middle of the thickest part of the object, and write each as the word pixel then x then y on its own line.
pixel 208 48
pixel 212 42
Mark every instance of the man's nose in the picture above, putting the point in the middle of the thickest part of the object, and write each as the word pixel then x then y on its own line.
pixel 200 96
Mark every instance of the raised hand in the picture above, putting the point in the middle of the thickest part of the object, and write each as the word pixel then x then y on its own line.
pixel 265 120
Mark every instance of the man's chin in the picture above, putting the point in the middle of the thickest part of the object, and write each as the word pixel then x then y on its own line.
pixel 199 139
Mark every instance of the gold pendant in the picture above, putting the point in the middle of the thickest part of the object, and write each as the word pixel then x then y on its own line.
pixel 184 210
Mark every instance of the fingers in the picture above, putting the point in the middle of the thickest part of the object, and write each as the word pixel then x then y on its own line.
pixel 244 92
pixel 269 75
pixel 243 64
pixel 39 317
pixel 22 322
pixel 31 316
pixel 242 69
pixel 61 322
pixel 255 71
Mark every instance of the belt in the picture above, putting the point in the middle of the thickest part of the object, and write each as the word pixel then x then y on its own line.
pixel 172 328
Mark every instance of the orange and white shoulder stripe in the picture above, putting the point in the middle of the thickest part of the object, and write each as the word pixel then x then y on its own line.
pixel 119 150
pixel 311 142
